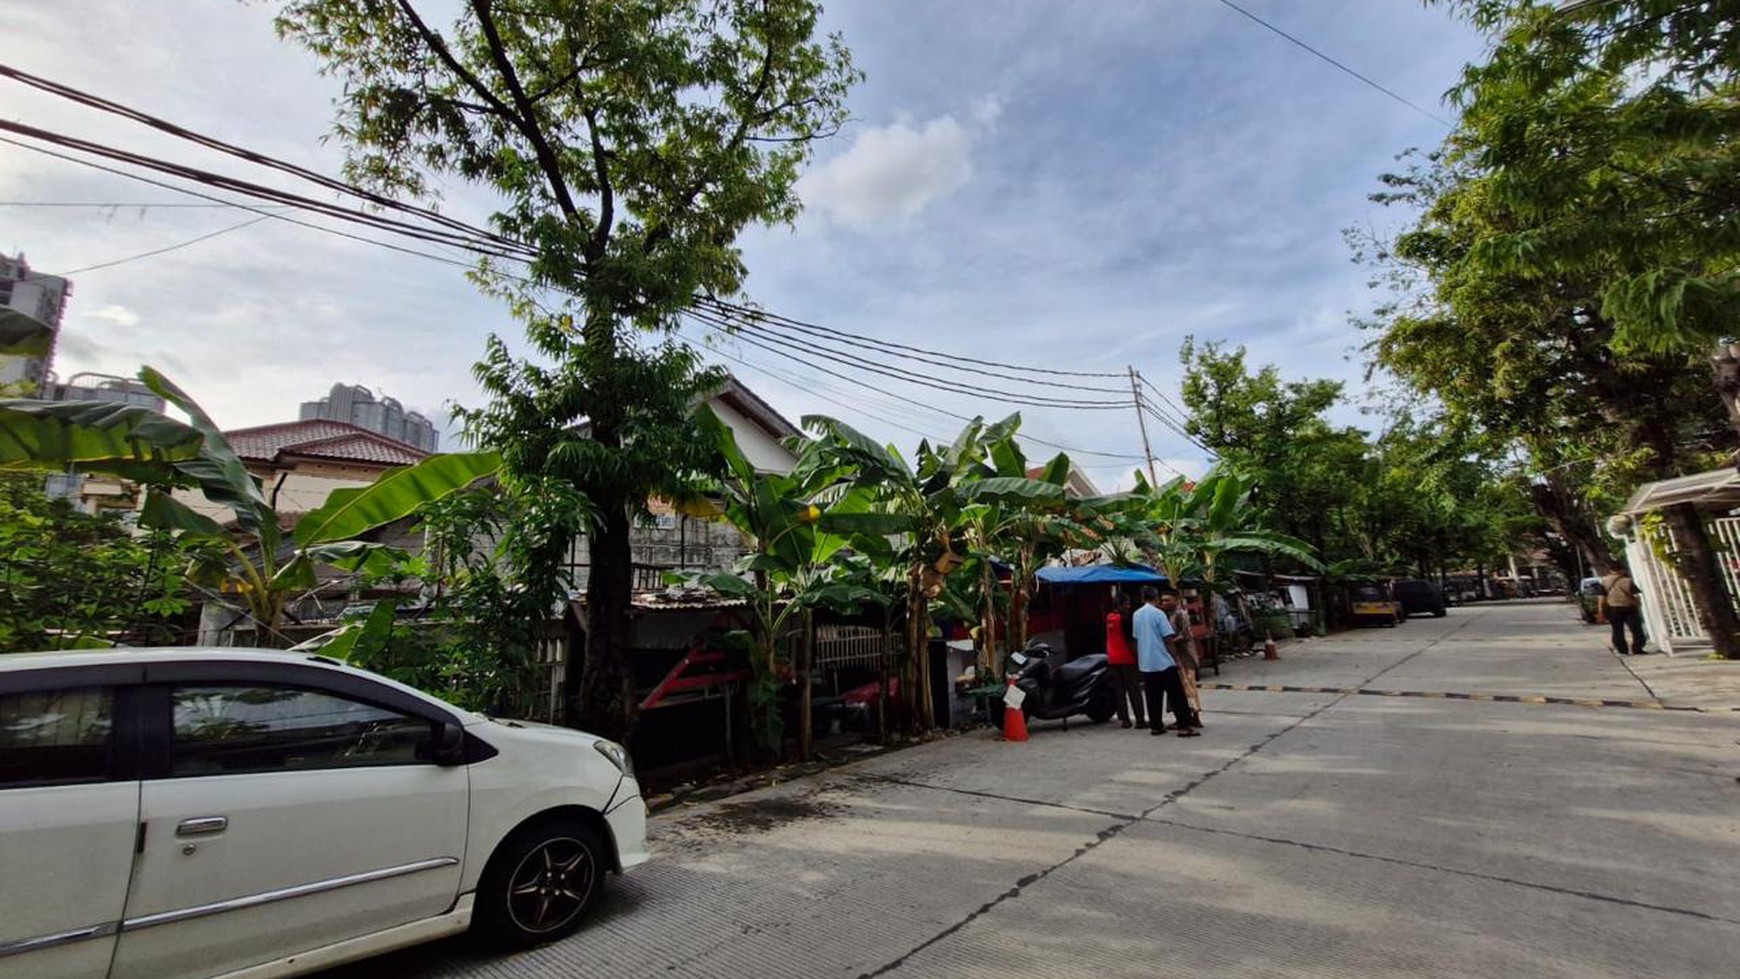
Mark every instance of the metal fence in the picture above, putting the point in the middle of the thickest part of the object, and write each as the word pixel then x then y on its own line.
pixel 840 646
pixel 1668 610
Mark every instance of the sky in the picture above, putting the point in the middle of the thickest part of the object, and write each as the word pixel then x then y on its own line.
pixel 1071 185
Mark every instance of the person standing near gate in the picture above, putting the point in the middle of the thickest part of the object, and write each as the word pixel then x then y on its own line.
pixel 1159 670
pixel 1121 657
pixel 1619 603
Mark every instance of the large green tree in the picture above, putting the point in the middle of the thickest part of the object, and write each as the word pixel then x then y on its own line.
pixel 1577 255
pixel 628 142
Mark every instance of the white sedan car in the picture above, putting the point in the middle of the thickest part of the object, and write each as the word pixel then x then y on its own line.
pixel 176 813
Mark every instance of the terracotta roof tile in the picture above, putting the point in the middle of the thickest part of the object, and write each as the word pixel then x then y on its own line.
pixel 337 441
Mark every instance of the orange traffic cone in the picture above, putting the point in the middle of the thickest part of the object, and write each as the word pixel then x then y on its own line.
pixel 1014 721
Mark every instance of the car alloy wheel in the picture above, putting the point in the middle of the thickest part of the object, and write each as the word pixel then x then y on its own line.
pixel 549 888
pixel 540 883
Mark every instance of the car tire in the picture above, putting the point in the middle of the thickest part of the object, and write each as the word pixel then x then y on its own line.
pixel 1439 613
pixel 539 884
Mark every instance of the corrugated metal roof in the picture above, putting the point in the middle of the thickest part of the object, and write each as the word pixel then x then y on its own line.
pixel 318 438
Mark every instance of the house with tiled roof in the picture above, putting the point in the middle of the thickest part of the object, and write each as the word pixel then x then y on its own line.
pixel 299 463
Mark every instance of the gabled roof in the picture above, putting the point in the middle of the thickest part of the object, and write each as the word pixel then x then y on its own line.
pixel 736 394
pixel 1076 484
pixel 319 439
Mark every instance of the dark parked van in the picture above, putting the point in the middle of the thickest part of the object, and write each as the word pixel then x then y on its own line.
pixel 1419 597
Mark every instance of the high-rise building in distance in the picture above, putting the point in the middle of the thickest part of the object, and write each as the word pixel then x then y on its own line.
pixel 358 405
pixel 40 297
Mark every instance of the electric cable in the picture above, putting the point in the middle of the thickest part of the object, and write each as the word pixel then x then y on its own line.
pixel 866 384
pixel 725 326
pixel 752 312
pixel 928 357
pixel 1319 54
pixel 168 248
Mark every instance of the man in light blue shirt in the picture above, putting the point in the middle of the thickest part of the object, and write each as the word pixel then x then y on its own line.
pixel 1160 675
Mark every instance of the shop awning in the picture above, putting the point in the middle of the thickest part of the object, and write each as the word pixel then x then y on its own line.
pixel 1101 574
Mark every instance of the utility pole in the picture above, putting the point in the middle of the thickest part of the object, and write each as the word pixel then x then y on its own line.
pixel 1142 423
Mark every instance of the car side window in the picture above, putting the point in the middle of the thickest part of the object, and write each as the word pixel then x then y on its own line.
pixel 234 729
pixel 56 737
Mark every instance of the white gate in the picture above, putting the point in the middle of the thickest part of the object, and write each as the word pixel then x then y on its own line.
pixel 1668 612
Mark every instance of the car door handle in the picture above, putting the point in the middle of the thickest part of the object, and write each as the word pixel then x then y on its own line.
pixel 202 826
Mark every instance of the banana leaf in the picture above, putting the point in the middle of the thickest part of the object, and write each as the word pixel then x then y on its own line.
pixel 218 470
pixel 92 436
pixel 1011 488
pixel 358 640
pixel 395 495
pixel 164 512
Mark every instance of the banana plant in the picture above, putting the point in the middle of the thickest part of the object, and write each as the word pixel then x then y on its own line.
pixel 926 512
pixel 791 570
pixel 1184 529
pixel 249 562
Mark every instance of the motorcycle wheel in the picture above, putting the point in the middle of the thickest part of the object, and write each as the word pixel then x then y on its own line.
pixel 1102 706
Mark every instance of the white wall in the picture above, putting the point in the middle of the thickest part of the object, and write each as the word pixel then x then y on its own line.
pixel 761 449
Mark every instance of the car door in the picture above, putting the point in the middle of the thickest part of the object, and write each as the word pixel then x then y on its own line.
pixel 69 808
pixel 286 816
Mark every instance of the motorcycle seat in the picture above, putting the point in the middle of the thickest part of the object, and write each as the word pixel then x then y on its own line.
pixel 1076 669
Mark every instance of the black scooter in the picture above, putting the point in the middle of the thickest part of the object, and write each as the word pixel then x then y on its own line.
pixel 1060 688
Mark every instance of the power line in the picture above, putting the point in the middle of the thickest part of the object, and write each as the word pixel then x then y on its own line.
pixel 254 209
pixel 1176 408
pixel 168 248
pixel 1178 420
pixel 750 312
pixel 928 357
pixel 1319 54
pixel 1148 410
pixel 724 325
pixel 101 104
pixel 872 387
pixel 467 240
pixel 470 236
pixel 808 387
pixel 106 205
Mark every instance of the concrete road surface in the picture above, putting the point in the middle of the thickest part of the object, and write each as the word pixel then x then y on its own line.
pixel 1386 829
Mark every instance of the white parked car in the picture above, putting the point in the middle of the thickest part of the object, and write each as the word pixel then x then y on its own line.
pixel 187 813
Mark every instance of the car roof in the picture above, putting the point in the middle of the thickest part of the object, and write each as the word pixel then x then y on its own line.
pixel 126 655
pixel 155 654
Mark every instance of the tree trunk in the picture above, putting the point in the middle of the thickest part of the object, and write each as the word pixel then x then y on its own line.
pixel 882 681
pixel 1696 564
pixel 805 706
pixel 917 695
pixel 1569 517
pixel 988 625
pixel 606 699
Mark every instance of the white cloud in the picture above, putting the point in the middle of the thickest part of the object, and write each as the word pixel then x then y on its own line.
pixel 116 314
pixel 891 172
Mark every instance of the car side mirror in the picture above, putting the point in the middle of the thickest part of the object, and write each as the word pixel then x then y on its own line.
pixel 446 745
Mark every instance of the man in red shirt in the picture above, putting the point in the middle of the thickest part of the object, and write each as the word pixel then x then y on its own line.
pixel 1121 656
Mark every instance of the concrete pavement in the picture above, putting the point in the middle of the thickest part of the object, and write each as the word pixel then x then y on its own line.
pixel 1306 834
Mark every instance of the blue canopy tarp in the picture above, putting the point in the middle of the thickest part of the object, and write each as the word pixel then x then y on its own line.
pixel 1101 574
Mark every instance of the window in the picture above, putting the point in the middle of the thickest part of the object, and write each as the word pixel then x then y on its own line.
pixel 55 737
pixel 262 728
